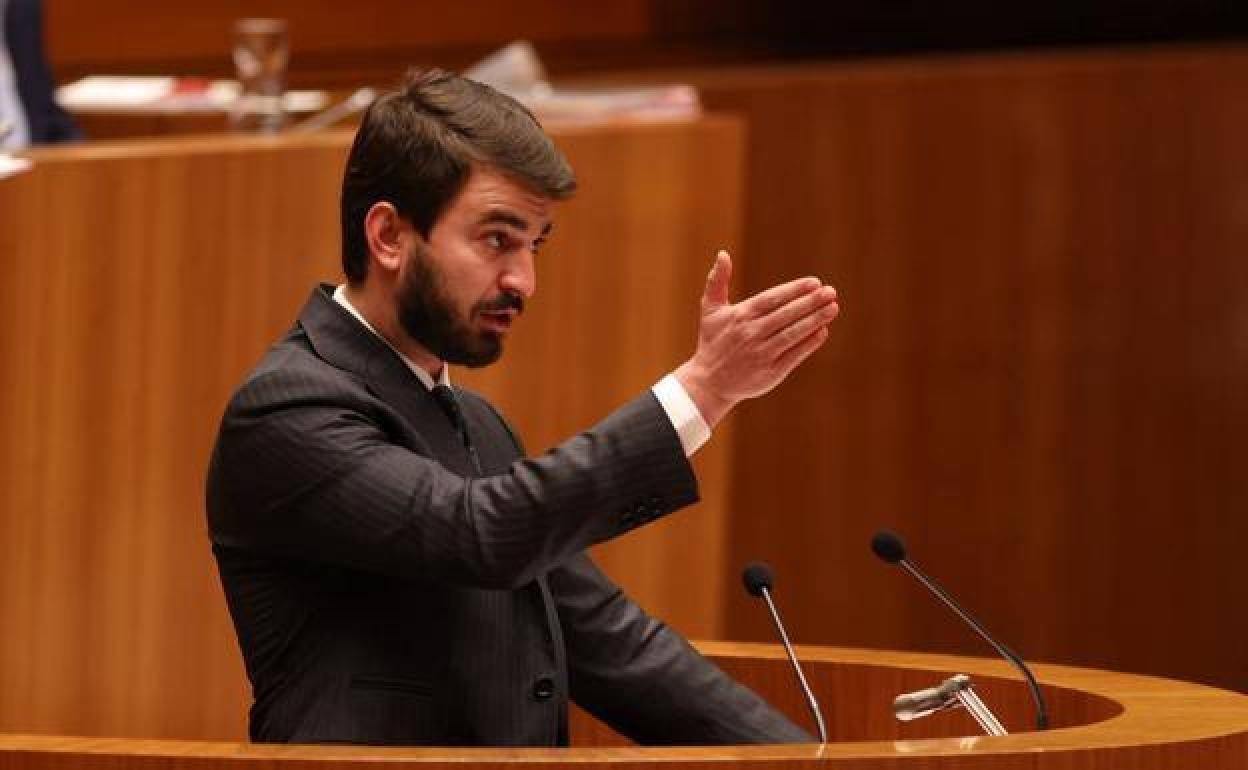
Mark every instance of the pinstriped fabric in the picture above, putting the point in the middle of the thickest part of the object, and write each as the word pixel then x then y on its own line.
pixel 380 592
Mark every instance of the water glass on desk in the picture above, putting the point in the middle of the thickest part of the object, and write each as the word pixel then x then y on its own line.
pixel 261 52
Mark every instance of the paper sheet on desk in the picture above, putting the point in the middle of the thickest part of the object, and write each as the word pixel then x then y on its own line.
pixel 112 91
pixel 11 166
pixel 671 102
pixel 517 70
pixel 162 94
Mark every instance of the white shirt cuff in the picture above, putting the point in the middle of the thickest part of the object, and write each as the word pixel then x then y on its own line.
pixel 684 414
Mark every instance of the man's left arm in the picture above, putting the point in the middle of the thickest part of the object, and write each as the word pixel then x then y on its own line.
pixel 643 679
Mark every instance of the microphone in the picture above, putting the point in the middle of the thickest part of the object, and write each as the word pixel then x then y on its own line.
pixel 918 704
pixel 758 580
pixel 953 692
pixel 892 550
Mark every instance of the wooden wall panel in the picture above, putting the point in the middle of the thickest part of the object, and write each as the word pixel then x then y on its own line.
pixel 145 279
pixel 372 42
pixel 1039 371
pixel 153 31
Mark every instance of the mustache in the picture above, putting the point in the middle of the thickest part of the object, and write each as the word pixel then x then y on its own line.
pixel 505 301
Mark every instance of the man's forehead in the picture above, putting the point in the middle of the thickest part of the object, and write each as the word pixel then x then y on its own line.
pixel 491 196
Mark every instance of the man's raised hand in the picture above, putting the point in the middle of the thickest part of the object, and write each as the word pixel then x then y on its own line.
pixel 746 349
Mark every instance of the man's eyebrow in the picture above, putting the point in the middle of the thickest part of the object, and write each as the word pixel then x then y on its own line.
pixel 513 220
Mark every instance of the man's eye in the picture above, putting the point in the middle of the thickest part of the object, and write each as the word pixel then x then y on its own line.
pixel 497 241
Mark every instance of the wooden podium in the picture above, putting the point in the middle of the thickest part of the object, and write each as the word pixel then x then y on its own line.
pixel 1101 720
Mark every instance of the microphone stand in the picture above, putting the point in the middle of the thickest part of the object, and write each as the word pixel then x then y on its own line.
pixel 1042 713
pixel 801 678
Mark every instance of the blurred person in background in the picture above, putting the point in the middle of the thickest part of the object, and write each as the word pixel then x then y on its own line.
pixel 29 113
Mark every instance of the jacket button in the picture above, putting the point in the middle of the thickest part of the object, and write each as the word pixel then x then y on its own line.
pixel 543 689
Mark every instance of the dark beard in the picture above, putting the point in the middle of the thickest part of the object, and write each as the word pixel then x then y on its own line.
pixel 429 317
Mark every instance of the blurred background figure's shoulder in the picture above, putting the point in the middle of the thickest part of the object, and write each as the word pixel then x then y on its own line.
pixel 29 113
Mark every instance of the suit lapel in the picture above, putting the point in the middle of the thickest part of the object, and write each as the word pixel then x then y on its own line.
pixel 342 341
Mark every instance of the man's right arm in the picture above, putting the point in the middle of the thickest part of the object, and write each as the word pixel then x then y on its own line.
pixel 303 468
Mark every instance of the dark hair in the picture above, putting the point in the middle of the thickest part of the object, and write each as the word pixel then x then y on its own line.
pixel 416 147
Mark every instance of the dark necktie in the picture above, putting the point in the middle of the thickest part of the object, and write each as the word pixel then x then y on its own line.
pixel 445 396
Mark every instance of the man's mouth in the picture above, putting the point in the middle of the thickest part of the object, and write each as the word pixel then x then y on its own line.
pixel 499 320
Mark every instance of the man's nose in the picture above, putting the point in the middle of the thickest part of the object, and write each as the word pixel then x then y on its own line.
pixel 520 276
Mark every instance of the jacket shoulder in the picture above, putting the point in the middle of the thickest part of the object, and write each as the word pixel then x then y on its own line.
pixel 290 373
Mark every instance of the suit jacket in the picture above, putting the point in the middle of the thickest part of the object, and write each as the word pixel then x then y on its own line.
pixel 382 594
pixel 23 35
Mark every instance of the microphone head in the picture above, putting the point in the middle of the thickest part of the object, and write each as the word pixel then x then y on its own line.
pixel 756 577
pixel 888 546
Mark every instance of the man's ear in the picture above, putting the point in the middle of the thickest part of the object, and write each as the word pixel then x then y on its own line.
pixel 387 234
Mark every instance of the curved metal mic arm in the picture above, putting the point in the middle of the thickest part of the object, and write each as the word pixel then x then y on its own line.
pixel 801 677
pixel 1042 710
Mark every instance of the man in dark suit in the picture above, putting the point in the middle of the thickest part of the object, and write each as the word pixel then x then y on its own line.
pixel 397 571
pixel 37 118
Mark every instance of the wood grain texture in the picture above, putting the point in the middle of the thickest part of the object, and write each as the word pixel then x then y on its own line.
pixel 371 42
pixel 372 38
pixel 146 278
pixel 1109 720
pixel 1038 375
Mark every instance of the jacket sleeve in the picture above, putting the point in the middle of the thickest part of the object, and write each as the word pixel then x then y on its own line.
pixel 48 121
pixel 643 679
pixel 304 468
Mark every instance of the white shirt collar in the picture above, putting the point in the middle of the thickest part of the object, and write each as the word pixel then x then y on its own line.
pixel 340 296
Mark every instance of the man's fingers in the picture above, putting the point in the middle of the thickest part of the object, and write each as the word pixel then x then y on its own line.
pixel 786 315
pixel 797 332
pixel 795 355
pixel 777 296
pixel 717 281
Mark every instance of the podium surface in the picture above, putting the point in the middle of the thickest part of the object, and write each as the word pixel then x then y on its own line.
pixel 1101 719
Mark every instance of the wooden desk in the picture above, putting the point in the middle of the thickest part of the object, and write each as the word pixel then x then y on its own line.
pixel 99 126
pixel 1104 720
